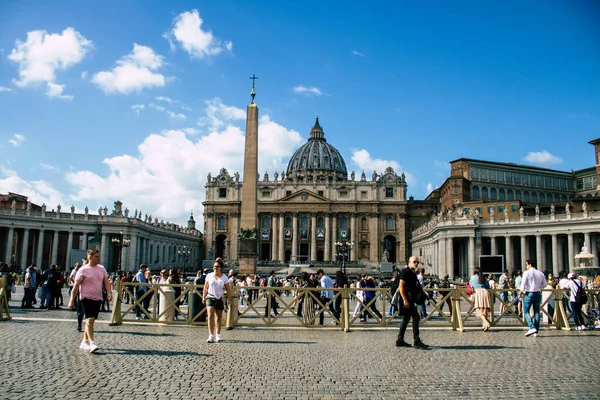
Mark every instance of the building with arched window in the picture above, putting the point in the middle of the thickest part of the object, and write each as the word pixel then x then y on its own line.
pixel 305 210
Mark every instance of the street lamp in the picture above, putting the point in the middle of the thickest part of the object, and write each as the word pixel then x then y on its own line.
pixel 121 241
pixel 184 253
pixel 342 248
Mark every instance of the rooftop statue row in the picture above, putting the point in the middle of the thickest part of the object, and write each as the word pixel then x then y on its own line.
pixel 389 176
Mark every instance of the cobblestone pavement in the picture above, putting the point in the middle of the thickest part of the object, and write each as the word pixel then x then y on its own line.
pixel 41 360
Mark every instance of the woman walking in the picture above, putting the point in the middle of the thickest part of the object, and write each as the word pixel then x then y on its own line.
pixel 482 298
pixel 215 287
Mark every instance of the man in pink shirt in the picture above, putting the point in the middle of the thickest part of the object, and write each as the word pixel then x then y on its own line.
pixel 89 280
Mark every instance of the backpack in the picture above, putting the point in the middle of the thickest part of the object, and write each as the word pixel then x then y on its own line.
pixel 581 295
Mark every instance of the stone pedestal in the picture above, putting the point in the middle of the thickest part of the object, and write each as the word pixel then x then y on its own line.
pixel 247 255
pixel 166 299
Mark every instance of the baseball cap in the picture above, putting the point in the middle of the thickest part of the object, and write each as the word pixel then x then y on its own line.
pixel 571 275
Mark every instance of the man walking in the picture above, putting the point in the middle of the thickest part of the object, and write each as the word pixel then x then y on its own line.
pixel 90 280
pixel 531 290
pixel 140 277
pixel 409 287
pixel 326 295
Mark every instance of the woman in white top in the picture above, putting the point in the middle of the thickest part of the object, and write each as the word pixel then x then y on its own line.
pixel 575 285
pixel 215 287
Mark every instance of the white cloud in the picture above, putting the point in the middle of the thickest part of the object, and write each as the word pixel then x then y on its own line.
pixel 362 159
pixel 173 159
pixel 165 99
pixel 84 75
pixel 429 188
pixel 43 54
pixel 134 72
pixel 49 167
pixel 218 114
pixel 309 91
pixel 156 107
pixel 38 191
pixel 5 89
pixel 137 108
pixel 16 139
pixel 187 30
pixel 542 158
pixel 357 53
pixel 178 116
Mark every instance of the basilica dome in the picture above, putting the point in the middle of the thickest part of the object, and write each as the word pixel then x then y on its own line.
pixel 316 160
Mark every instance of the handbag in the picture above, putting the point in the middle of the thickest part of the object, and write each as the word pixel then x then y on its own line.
pixel 420 297
pixel 581 295
pixel 469 290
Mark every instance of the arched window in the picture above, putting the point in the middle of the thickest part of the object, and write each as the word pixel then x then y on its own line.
pixel 550 197
pixel 221 223
pixel 563 197
pixel 510 195
pixel 475 193
pixel 389 224
pixel 534 197
pixel 501 194
pixel 304 222
pixel 542 198
pixel 320 222
pixel 484 193
pixel 493 194
pixel 288 222
pixel 518 195
pixel 363 224
pixel 343 223
pixel 526 197
pixel 266 222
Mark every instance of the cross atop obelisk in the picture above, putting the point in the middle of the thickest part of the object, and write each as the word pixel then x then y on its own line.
pixel 253 92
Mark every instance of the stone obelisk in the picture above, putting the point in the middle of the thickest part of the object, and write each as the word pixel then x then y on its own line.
pixel 248 235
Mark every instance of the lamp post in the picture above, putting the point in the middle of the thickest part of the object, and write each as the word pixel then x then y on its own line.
pixel 342 248
pixel 184 253
pixel 120 241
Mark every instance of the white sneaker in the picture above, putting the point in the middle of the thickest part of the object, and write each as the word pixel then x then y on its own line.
pixel 93 347
pixel 530 332
pixel 577 328
pixel 535 335
pixel 85 345
pixel 583 328
pixel 218 339
pixel 211 338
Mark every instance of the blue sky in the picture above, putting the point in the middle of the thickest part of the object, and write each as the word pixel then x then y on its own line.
pixel 140 101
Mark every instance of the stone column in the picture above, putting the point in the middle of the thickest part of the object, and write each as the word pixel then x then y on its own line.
pixel 523 252
pixel 55 248
pixel 594 249
pixel 587 241
pixel 571 256
pixel 450 257
pixel 24 260
pixel 9 245
pixel 295 238
pixel 69 262
pixel 327 255
pixel 538 253
pixel 374 237
pixel 442 261
pixel 560 257
pixel 334 235
pixel 281 237
pixel 104 250
pixel 353 237
pixel 274 237
pixel 555 269
pixel 84 241
pixel 493 249
pixel 313 237
pixel 40 249
pixel 234 239
pixel 130 263
pixel 508 262
pixel 471 255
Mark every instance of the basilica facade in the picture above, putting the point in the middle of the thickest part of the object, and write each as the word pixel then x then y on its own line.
pixel 306 211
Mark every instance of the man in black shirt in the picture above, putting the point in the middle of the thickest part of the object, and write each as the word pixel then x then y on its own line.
pixel 409 287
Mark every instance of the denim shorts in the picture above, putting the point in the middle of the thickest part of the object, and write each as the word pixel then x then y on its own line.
pixel 216 303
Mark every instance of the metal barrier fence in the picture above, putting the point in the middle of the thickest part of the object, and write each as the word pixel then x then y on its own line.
pixel 343 308
pixel 4 312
